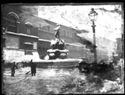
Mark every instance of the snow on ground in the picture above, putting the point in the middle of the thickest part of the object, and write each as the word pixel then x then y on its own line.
pixel 51 79
pixel 19 56
pixel 47 81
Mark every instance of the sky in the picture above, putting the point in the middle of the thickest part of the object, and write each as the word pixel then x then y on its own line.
pixel 108 24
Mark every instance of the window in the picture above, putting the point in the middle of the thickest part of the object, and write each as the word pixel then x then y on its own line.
pixel 28 45
pixel 11 24
pixel 28 27
pixel 35 45
pixel 28 30
pixel 28 48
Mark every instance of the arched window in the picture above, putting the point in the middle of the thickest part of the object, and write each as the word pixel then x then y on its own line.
pixel 11 20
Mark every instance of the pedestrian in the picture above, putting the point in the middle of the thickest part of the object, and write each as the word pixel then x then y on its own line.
pixel 33 68
pixel 114 59
pixel 13 69
pixel 31 65
pixel 121 66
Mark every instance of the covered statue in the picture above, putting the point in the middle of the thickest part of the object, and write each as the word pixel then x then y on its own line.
pixel 57 47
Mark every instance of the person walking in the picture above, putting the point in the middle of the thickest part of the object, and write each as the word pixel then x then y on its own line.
pixel 121 66
pixel 33 68
pixel 13 69
pixel 31 65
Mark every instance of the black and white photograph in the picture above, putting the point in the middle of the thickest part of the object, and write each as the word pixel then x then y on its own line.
pixel 62 48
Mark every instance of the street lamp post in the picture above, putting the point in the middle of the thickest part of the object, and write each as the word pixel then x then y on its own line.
pixel 93 15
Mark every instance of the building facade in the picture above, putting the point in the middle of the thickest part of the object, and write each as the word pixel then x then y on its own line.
pixel 30 38
pixel 19 39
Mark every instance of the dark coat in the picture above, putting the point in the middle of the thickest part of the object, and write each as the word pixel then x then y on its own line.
pixel 33 67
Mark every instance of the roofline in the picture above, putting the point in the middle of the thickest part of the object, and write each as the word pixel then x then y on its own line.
pixel 55 23
pixel 76 30
pixel 44 40
pixel 21 34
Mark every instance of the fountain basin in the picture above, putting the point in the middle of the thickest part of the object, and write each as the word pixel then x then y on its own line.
pixel 57 53
pixel 54 50
pixel 58 63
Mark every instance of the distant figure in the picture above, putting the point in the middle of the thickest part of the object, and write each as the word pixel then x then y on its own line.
pixel 33 68
pixel 13 69
pixel 121 66
pixel 3 62
pixel 114 59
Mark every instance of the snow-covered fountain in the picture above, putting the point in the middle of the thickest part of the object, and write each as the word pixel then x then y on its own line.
pixel 58 49
pixel 57 54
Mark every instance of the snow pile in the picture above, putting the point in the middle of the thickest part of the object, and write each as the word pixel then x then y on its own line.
pixel 110 86
pixel 19 56
pixel 12 55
